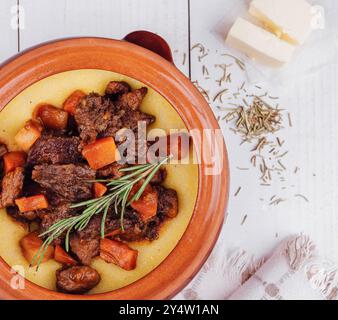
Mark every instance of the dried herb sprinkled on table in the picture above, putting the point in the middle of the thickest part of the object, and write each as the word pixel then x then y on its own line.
pixel 250 112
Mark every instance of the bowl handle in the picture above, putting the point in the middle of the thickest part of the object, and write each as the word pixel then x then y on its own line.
pixel 151 41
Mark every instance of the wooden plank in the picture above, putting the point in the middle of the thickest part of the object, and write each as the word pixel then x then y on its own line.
pixel 252 223
pixel 47 20
pixel 8 30
pixel 311 143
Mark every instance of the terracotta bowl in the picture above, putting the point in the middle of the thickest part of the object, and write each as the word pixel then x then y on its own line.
pixel 135 61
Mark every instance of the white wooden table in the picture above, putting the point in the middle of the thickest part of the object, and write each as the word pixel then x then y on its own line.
pixel 311 141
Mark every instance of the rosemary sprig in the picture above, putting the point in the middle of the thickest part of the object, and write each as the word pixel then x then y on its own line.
pixel 117 198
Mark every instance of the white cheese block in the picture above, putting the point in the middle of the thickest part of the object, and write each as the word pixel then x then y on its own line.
pixel 288 19
pixel 259 44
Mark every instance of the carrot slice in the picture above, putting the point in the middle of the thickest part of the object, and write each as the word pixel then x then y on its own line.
pixel 32 203
pixel 136 187
pixel 30 244
pixel 72 101
pixel 51 117
pixel 119 253
pixel 63 257
pixel 146 205
pixel 13 160
pixel 99 189
pixel 27 136
pixel 101 153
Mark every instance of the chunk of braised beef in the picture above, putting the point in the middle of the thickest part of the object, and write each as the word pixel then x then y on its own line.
pixel 32 188
pixel 85 244
pixel 167 202
pixel 113 221
pixel 70 181
pixel 132 100
pixel 131 119
pixel 54 150
pixel 127 119
pixel 84 249
pixel 12 185
pixel 92 116
pixel 54 199
pixel 152 228
pixel 111 171
pixel 136 230
pixel 140 231
pixel 53 215
pixel 93 228
pixel 132 234
pixel 116 88
pixel 126 113
pixel 77 279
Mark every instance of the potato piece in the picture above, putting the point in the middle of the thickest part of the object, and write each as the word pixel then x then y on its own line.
pixel 27 136
pixel 51 117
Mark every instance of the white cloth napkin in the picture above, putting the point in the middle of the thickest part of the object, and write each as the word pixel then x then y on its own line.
pixel 294 271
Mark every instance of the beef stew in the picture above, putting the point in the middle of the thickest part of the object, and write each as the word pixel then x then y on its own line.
pixel 58 164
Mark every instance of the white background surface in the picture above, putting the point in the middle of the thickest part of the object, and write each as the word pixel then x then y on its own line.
pixel 310 97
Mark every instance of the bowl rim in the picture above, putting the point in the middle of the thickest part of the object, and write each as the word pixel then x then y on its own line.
pixel 47 59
